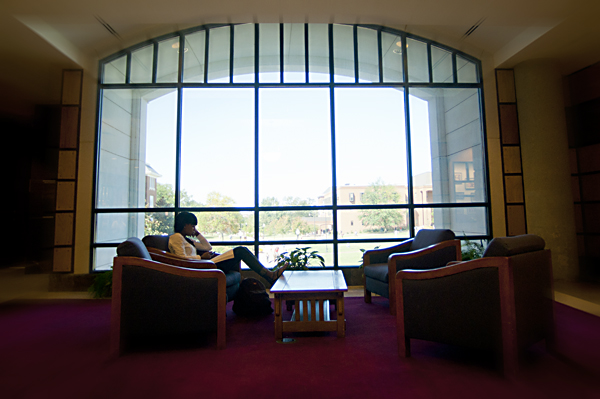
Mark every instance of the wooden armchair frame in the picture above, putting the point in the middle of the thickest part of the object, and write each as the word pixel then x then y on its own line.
pixel 119 261
pixel 395 259
pixel 508 308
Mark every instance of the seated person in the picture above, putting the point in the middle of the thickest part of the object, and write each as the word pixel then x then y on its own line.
pixel 181 245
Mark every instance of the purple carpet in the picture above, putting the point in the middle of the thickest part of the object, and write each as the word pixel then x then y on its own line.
pixel 59 349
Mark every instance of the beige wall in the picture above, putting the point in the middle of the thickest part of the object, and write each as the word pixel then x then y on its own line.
pixel 546 168
pixel 86 171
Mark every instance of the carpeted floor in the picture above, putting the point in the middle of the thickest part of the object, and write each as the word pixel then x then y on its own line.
pixel 59 349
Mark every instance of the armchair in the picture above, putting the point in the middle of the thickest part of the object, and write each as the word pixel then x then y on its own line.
pixel 158 247
pixel 153 299
pixel 429 249
pixel 500 303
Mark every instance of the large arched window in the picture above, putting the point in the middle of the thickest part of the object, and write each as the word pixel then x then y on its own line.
pixel 336 137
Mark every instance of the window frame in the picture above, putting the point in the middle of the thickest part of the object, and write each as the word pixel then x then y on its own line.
pixel 406 84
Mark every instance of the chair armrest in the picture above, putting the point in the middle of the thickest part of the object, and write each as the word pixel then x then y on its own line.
pixel 117 293
pixel 381 255
pixel 458 267
pixel 432 257
pixel 175 260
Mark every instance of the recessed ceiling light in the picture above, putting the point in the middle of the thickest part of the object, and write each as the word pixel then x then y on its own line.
pixel 176 46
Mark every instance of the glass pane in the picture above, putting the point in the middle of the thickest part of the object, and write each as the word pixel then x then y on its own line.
pixel 141 65
pixel 350 253
pixel 193 59
pixel 318 53
pixel 269 253
pixel 269 54
pixel 103 258
pixel 466 71
pixel 295 144
pixel 114 71
pixel 391 47
pixel 343 53
pixel 368 55
pixel 295 225
pixel 243 53
pixel 441 61
pixel 373 223
pixel 463 221
pixel 219 45
pixel 418 69
pixel 225 226
pixel 217 152
pixel 293 53
pixel 137 156
pixel 448 158
pixel 117 227
pixel 371 142
pixel 168 61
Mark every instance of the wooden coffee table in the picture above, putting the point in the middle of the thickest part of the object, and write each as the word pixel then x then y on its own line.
pixel 311 291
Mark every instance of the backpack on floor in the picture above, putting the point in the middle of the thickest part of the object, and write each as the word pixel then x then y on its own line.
pixel 252 299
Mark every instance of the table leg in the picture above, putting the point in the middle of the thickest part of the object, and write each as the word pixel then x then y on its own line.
pixel 278 318
pixel 341 318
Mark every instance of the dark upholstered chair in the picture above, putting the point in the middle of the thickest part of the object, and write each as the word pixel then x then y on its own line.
pixel 158 247
pixel 156 300
pixel 428 250
pixel 501 303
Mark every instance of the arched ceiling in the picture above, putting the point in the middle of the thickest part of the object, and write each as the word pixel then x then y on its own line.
pixel 42 37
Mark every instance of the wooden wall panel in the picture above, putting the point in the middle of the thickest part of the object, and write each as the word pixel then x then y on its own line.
pixel 513 185
pixel 575 188
pixel 505 82
pixel 67 165
pixel 65 196
pixel 511 157
pixel 516 220
pixel 578 218
pixel 512 169
pixel 589 158
pixel 71 90
pixel 509 124
pixel 66 185
pixel 573 161
pixel 63 259
pixel 63 229
pixel 590 187
pixel 69 127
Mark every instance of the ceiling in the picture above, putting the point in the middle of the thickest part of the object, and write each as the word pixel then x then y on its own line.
pixel 41 37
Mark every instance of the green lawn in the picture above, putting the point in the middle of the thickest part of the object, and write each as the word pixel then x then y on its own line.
pixel 349 253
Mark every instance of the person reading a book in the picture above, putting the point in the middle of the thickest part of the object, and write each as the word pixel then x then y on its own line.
pixel 181 245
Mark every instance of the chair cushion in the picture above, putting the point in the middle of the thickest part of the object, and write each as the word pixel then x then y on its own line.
pixel 156 241
pixel 377 272
pixel 509 246
pixel 133 246
pixel 426 237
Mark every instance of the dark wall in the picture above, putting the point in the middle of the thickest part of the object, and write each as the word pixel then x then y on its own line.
pixel 29 163
pixel 15 164
pixel 583 119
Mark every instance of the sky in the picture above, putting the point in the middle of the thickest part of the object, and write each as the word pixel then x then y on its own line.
pixel 294 140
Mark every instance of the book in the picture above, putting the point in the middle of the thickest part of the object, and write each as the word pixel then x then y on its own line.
pixel 224 256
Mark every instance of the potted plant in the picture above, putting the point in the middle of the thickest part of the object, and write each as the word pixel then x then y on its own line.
pixel 102 285
pixel 471 250
pixel 298 259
